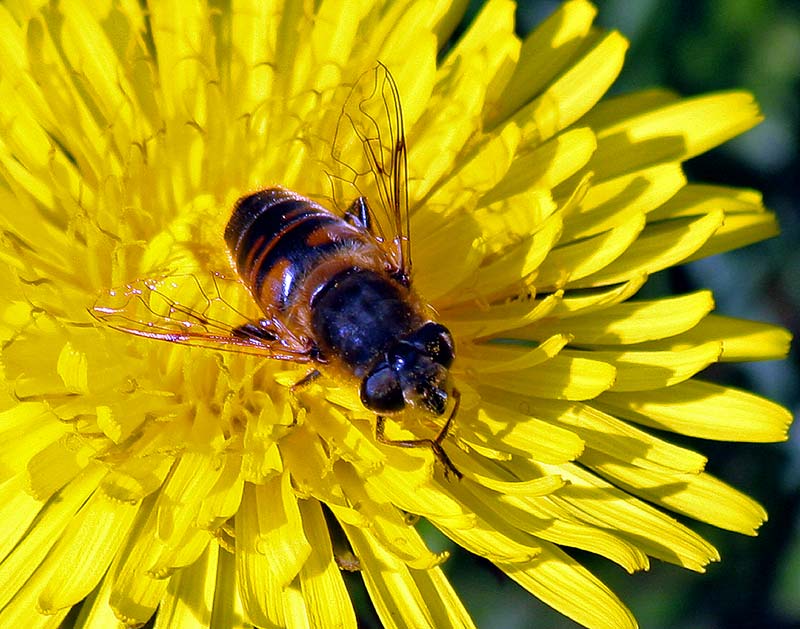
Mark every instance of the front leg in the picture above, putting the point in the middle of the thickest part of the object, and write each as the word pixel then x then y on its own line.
pixel 433 444
pixel 306 380
pixel 295 390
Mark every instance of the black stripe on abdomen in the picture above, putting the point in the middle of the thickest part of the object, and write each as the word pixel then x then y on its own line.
pixel 292 251
pixel 277 236
pixel 260 218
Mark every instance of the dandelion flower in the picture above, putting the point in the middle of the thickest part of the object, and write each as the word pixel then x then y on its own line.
pixel 142 478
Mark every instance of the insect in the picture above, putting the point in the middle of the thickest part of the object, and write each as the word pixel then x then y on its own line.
pixel 335 291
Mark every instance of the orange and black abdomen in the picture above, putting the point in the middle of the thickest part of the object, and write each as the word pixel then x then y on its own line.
pixel 277 238
pixel 326 278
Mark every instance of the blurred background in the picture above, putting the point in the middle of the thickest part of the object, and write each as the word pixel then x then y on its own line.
pixel 694 47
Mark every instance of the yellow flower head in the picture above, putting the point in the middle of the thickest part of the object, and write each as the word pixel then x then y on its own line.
pixel 153 478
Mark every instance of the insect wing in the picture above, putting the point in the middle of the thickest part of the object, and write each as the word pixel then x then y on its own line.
pixel 198 312
pixel 370 150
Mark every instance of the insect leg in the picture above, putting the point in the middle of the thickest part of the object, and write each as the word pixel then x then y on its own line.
pixel 433 444
pixel 258 330
pixel 306 380
pixel 294 398
pixel 359 214
pixel 443 432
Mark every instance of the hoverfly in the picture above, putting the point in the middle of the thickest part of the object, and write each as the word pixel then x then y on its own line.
pixel 334 291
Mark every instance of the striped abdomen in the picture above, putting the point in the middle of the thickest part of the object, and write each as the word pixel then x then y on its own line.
pixel 278 239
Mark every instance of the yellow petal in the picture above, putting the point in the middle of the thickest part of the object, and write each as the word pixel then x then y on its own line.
pixel 649 254
pixel 517 512
pixel 191 479
pixel 73 369
pixel 177 553
pixel 513 219
pixel 180 35
pixel 445 238
pixel 577 303
pixel 388 524
pixel 535 487
pixel 254 27
pixel 321 583
pixel 741 340
pixel 633 321
pixel 560 378
pixel 610 203
pixel 605 433
pixel 17 511
pixel 339 433
pixel 702 409
pixel 95 612
pixel 490 538
pixel 447 125
pixel 499 426
pixel 675 131
pixel 404 597
pixel 333 37
pixel 135 591
pixel 746 219
pixel 519 261
pixel 564 584
pixel 84 552
pixel 546 52
pixel 638 371
pixel 92 57
pixel 414 67
pixel 476 322
pixel 23 611
pixel 547 165
pixel 574 93
pixel 700 496
pixel 473 175
pixel 33 548
pixel 589 499
pixel 416 494
pixel 574 261
pixel 56 465
pixel 738 231
pixel 15 68
pixel 492 41
pixel 280 526
pixel 227 609
pixel 477 359
pixel 698 199
pixel 137 478
pixel 189 599
pixel 260 591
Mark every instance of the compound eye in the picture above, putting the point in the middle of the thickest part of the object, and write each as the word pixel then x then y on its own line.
pixel 381 392
pixel 434 340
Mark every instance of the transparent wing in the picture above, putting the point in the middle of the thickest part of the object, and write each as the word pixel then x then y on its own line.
pixel 370 150
pixel 190 310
